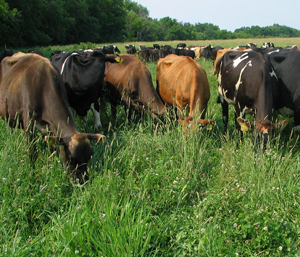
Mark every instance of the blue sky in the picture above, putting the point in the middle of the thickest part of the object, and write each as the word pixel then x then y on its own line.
pixel 231 15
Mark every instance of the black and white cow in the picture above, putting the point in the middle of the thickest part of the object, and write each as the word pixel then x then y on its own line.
pixel 82 74
pixel 249 83
pixel 130 49
pixel 268 45
pixel 110 49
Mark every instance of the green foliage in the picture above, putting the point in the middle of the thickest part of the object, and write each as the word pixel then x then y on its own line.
pixel 60 22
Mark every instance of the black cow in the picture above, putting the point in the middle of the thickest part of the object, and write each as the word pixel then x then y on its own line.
pixel 181 45
pixel 210 52
pixel 5 53
pixel 287 68
pixel 164 51
pixel 82 74
pixel 130 49
pixel 249 83
pixel 184 52
pixel 156 46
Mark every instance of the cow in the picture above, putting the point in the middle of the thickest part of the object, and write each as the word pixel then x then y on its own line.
pixel 252 45
pixel 144 54
pixel 32 95
pixel 130 84
pixel 142 46
pixel 156 46
pixel 130 49
pixel 82 74
pixel 198 52
pixel 181 81
pixel 184 52
pixel 249 83
pixel 110 49
pixel 293 48
pixel 210 52
pixel 154 56
pixel 268 45
pixel 287 68
pixel 181 45
pixel 164 51
pixel 5 53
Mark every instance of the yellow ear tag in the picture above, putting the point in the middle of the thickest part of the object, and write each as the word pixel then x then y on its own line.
pixel 244 127
pixel 119 59
pixel 209 126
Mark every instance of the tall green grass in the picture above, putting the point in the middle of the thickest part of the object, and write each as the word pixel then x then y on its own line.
pixel 153 192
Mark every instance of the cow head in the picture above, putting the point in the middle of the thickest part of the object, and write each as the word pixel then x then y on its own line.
pixel 190 123
pixel 263 127
pixel 76 151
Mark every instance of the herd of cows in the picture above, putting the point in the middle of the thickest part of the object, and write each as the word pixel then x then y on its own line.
pixel 36 92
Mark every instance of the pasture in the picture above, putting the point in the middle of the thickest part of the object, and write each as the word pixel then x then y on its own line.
pixel 151 191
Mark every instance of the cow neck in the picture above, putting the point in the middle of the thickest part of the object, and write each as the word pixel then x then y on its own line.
pixel 64 63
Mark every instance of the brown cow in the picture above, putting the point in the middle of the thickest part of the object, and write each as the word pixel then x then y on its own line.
pixel 182 81
pixel 32 95
pixel 130 83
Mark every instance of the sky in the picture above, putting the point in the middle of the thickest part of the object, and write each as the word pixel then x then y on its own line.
pixel 229 15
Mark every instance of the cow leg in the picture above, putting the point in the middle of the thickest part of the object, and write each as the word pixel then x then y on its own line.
pixel 96 111
pixel 224 105
pixel 296 128
pixel 29 133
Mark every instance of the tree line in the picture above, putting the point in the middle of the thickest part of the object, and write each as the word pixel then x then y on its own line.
pixel 62 22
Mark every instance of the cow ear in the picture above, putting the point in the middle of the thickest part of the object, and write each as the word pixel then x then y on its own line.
pixel 53 141
pixel 244 123
pixel 281 125
pixel 97 137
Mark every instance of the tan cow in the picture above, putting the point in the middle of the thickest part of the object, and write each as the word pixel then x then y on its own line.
pixel 32 95
pixel 182 82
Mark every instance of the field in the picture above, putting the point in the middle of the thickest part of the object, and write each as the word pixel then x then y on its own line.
pixel 151 191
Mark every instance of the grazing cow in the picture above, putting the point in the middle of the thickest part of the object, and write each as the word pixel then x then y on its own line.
pixel 144 54
pixel 82 74
pixel 164 51
pixel 130 84
pixel 287 69
pixel 247 82
pixel 130 49
pixel 32 95
pixel 5 53
pixel 153 53
pixel 210 52
pixel 182 81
